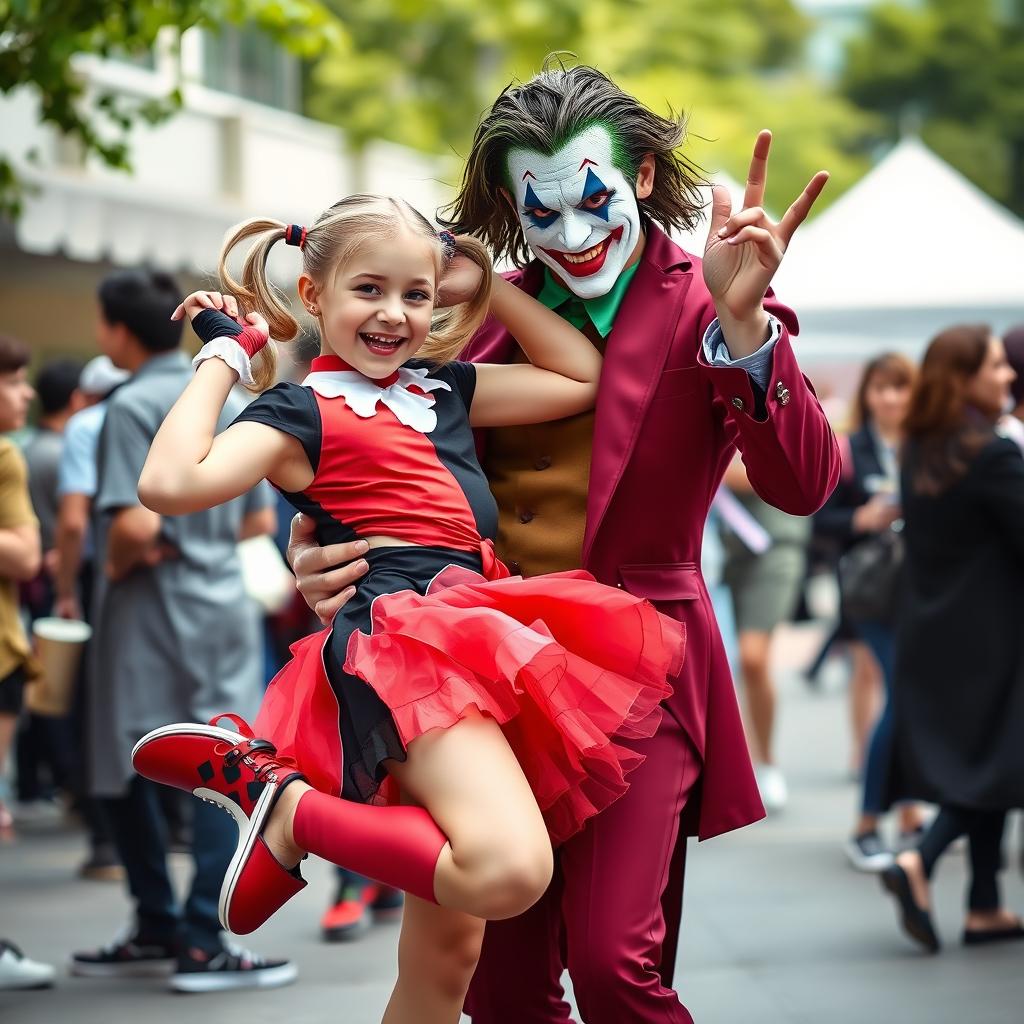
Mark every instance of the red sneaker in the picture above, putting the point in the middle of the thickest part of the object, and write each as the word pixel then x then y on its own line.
pixel 350 916
pixel 242 775
pixel 230 769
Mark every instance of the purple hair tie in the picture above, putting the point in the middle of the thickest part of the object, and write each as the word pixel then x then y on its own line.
pixel 448 244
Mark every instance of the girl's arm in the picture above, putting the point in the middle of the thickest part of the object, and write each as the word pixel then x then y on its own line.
pixel 561 378
pixel 188 468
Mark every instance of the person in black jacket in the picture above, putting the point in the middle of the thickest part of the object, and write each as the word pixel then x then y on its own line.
pixel 958 699
pixel 865 504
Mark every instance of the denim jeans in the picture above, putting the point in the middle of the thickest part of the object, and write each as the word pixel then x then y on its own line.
pixel 140 833
pixel 879 639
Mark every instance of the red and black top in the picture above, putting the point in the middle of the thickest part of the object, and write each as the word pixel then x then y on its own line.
pixel 393 458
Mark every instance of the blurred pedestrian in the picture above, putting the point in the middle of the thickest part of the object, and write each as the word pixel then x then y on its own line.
pixel 41 747
pixel 1012 424
pixel 76 487
pixel 765 582
pixel 73 580
pixel 174 637
pixel 20 558
pixel 20 554
pixel 865 505
pixel 56 386
pixel 958 698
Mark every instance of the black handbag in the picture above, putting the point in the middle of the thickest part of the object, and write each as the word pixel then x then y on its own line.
pixel 869 577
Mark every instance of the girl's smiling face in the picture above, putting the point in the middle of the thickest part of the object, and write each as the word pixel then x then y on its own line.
pixel 375 312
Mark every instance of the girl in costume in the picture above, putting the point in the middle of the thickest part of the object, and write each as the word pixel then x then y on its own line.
pixel 467 719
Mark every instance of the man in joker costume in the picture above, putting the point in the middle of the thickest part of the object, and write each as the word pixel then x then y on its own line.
pixel 570 170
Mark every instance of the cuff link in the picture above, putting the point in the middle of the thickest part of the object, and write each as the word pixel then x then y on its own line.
pixel 782 393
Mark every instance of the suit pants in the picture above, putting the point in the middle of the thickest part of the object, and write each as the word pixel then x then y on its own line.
pixel 611 914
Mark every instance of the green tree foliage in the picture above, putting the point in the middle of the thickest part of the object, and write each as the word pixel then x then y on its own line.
pixel 423 74
pixel 38 39
pixel 952 70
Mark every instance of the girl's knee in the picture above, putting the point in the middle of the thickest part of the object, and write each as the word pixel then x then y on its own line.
pixel 517 881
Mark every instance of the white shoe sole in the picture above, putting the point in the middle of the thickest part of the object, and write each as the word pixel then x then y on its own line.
pixel 223 981
pixel 246 841
pixel 142 969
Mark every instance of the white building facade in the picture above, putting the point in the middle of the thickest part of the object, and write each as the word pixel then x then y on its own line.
pixel 236 149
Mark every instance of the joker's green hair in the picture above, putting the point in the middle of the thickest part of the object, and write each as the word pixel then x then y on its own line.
pixel 542 115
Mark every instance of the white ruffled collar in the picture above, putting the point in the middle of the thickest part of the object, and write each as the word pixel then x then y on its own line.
pixel 363 396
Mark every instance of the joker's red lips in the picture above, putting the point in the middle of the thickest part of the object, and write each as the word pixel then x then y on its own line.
pixel 590 261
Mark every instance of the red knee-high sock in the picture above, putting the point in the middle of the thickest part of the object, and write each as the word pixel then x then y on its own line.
pixel 398 846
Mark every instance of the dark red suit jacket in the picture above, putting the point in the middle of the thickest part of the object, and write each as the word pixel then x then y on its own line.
pixel 666 427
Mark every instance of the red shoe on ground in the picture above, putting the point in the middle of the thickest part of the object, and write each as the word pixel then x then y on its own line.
pixel 242 775
pixel 350 916
pixel 360 905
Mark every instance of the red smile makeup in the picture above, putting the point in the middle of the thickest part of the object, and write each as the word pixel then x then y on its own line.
pixel 588 262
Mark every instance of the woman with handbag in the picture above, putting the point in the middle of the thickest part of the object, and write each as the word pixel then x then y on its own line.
pixel 860 516
pixel 958 703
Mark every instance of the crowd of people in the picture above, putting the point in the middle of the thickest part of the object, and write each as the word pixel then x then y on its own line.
pixel 126 503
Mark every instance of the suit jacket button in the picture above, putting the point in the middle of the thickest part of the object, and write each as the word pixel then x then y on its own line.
pixel 525 517
pixel 738 403
pixel 515 568
pixel 544 462
pixel 782 393
pixel 619 585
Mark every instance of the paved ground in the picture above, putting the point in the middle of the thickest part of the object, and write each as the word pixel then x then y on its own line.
pixel 777 928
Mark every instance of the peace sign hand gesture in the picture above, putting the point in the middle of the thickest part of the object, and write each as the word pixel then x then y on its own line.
pixel 744 250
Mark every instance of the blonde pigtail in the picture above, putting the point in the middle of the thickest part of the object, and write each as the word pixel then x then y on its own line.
pixel 255 293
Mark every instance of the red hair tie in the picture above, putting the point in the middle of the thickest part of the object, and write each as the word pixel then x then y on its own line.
pixel 295 234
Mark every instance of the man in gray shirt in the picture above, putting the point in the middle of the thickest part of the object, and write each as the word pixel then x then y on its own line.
pixel 175 639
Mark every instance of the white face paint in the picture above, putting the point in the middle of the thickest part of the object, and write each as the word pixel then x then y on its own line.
pixel 578 211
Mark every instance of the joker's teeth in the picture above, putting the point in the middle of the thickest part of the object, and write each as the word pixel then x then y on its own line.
pixel 382 339
pixel 583 257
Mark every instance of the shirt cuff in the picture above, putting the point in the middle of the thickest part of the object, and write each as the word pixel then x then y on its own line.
pixel 229 351
pixel 758 364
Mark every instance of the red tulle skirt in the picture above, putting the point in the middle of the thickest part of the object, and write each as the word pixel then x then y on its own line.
pixel 565 665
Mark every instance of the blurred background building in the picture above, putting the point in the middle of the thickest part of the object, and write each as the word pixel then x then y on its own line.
pixel 239 147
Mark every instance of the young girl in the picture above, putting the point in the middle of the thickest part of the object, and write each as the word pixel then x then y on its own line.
pixel 477 707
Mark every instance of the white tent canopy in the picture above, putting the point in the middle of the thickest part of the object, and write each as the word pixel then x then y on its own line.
pixel 911 248
pixel 913 232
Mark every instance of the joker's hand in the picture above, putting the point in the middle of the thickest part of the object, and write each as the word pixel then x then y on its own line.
pixel 744 249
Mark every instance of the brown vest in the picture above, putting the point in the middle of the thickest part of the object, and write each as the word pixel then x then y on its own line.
pixel 539 475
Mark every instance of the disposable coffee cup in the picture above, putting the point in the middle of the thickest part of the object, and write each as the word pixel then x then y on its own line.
pixel 59 644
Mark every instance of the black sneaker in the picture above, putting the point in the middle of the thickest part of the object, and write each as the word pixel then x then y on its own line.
pixel 867 853
pixel 130 955
pixel 229 968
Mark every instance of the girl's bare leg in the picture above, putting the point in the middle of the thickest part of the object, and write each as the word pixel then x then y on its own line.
pixel 437 954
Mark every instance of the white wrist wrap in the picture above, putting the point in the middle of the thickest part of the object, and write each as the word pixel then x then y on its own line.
pixel 229 351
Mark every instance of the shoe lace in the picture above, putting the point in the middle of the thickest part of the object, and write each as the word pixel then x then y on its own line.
pixel 269 759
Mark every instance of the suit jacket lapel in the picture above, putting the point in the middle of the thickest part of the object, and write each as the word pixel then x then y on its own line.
pixel 635 355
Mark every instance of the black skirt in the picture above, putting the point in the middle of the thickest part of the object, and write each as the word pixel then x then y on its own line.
pixel 368 734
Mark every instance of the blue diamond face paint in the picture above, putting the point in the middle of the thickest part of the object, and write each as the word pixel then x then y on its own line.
pixel 578 210
pixel 539 214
